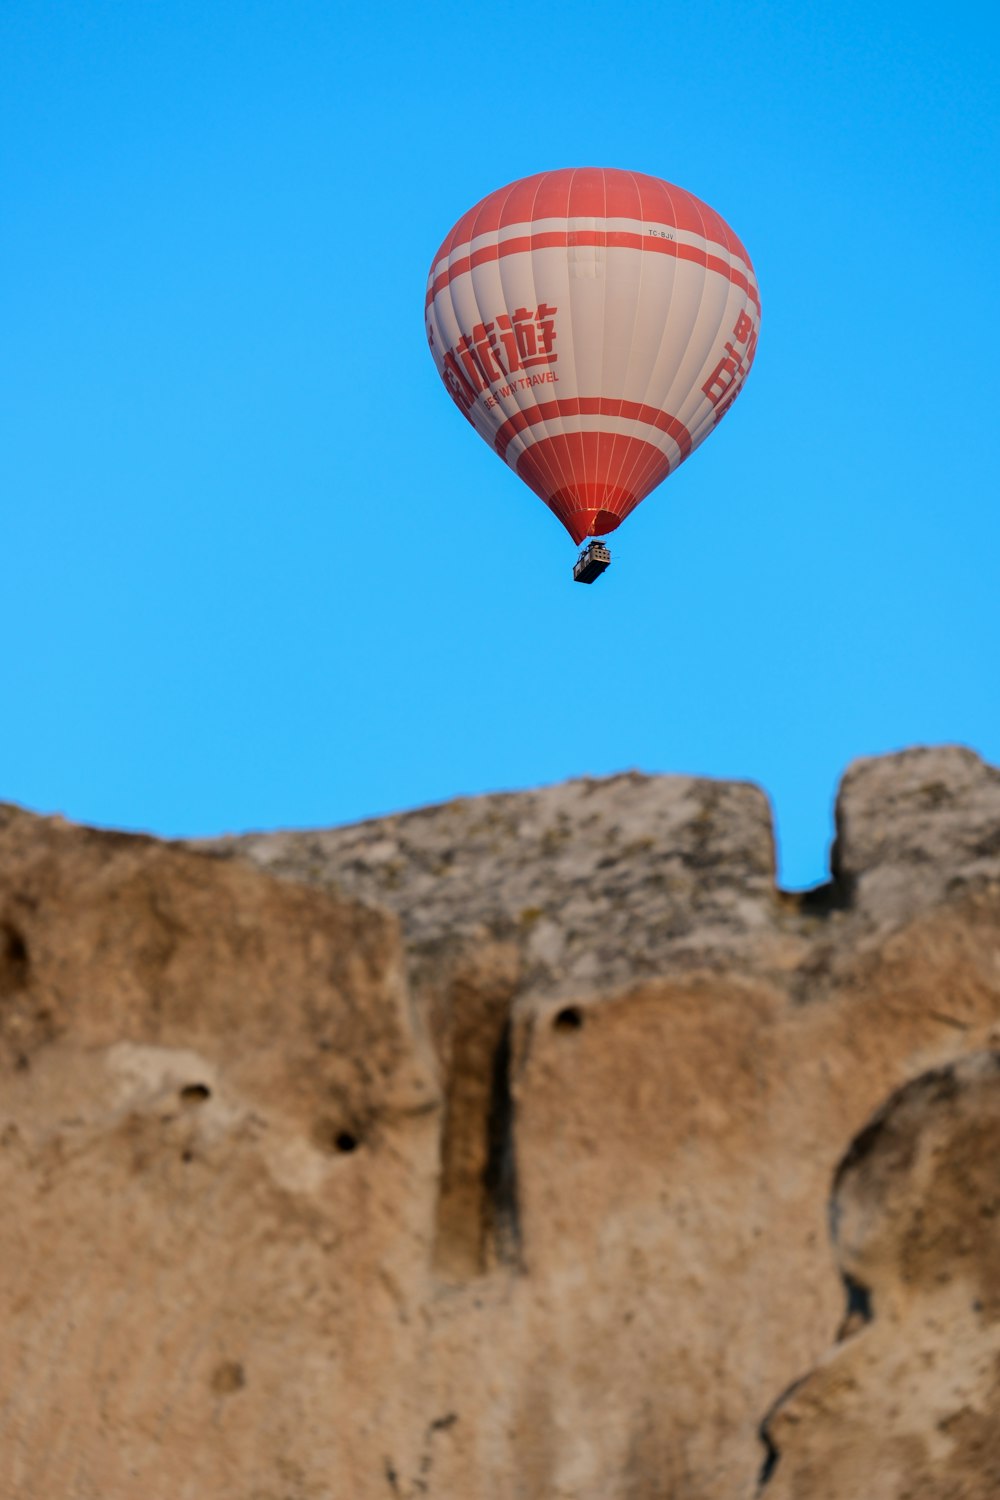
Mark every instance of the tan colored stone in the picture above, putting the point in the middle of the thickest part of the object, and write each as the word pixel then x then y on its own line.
pixel 909 1404
pixel 522 1190
pixel 193 1265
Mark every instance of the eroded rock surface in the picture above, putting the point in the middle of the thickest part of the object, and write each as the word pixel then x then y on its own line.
pixel 489 1150
pixel 908 1402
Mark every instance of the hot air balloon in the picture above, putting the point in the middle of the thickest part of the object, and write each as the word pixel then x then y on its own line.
pixel 593 325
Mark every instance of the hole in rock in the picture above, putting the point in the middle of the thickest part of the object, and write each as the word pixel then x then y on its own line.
pixel 859 1299
pixel 345 1141
pixel 228 1377
pixel 13 957
pixel 570 1018
pixel 195 1093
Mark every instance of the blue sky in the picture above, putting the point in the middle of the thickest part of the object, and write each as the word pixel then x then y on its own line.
pixel 256 570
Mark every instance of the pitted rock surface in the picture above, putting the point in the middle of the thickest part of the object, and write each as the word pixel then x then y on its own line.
pixel 532 1146
pixel 895 1408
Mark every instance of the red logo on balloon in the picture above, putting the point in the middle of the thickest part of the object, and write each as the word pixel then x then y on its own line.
pixel 494 351
pixel 723 385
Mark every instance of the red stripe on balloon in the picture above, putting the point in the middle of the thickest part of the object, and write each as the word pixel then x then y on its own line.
pixel 613 238
pixel 596 193
pixel 593 496
pixel 593 406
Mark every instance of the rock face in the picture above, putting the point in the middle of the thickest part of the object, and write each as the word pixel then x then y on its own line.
pixel 529 1146
pixel 911 1407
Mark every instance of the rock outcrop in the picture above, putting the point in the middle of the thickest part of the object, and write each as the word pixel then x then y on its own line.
pixel 529 1146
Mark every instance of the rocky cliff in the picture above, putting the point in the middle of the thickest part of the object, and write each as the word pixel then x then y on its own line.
pixel 532 1146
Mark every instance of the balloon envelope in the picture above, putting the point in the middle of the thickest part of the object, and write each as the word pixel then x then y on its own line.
pixel 593 325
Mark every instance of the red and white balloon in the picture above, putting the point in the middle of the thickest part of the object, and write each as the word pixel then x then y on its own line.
pixel 593 325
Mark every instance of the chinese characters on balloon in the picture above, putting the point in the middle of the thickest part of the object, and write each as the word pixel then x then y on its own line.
pixel 497 351
pixel 723 385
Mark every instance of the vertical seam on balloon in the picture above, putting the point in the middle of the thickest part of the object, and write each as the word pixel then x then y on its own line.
pixel 479 208
pixel 705 281
pixel 671 214
pixel 549 458
pixel 629 479
pixel 553 458
pixel 544 459
pixel 472 279
pixel 701 300
pixel 561 459
pixel 610 437
pixel 635 322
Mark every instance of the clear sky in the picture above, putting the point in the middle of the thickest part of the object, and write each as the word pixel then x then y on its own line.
pixel 257 571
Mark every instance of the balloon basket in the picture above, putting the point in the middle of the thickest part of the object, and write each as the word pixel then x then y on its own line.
pixel 592 562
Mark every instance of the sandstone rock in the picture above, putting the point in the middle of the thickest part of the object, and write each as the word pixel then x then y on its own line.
pixel 488 1150
pixel 197 1265
pixel 909 1404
